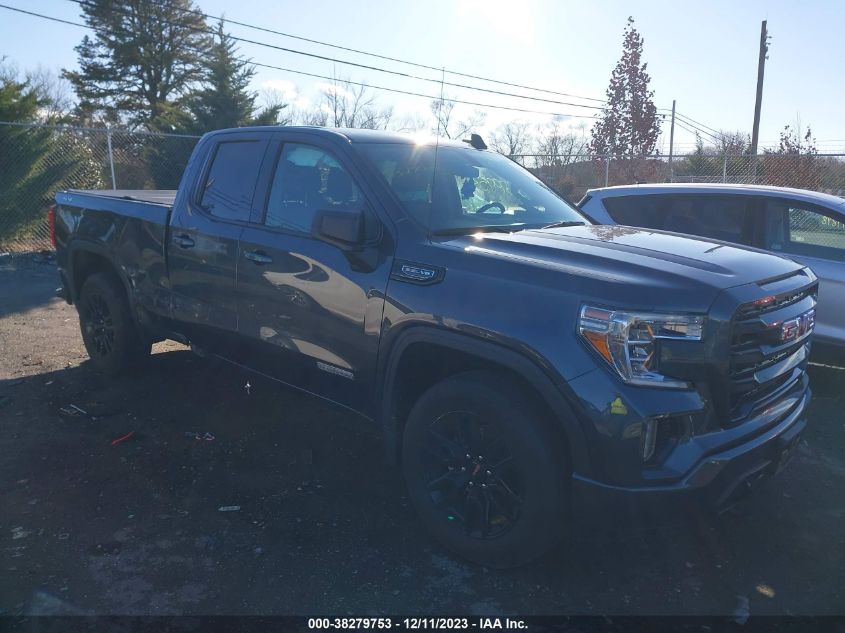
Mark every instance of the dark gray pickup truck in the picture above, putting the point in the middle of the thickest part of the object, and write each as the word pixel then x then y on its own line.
pixel 525 366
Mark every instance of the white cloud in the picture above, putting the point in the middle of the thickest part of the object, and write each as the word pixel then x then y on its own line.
pixel 332 88
pixel 284 87
pixel 511 20
pixel 302 103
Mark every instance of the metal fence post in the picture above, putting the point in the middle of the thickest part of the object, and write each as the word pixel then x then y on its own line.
pixel 111 158
pixel 725 168
pixel 607 170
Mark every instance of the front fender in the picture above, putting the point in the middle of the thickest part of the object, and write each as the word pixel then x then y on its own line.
pixel 551 389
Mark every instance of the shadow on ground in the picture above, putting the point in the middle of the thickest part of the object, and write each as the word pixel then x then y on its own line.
pixel 28 274
pixel 225 500
pixel 286 507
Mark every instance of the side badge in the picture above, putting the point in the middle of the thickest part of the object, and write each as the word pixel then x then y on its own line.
pixel 337 371
pixel 417 273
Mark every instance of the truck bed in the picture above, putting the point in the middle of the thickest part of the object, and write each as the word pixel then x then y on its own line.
pixel 131 226
pixel 146 205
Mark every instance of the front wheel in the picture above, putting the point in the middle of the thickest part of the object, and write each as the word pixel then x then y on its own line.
pixel 109 332
pixel 485 473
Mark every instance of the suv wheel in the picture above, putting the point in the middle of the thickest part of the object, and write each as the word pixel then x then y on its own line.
pixel 110 335
pixel 484 473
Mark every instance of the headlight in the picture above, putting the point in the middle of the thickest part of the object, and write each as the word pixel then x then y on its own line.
pixel 627 341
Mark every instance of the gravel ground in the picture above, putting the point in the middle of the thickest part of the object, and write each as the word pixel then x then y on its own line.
pixel 290 510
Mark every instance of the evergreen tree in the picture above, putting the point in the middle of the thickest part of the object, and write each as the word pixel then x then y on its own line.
pixel 141 61
pixel 225 100
pixel 20 147
pixel 35 161
pixel 629 125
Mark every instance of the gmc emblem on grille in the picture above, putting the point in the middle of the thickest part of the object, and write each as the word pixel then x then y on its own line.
pixel 798 327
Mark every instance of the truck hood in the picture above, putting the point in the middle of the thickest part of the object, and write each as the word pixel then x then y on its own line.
pixel 693 270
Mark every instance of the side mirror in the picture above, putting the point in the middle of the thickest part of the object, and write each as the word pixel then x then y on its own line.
pixel 342 227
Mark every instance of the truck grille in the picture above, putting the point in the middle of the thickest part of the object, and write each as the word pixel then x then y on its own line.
pixel 769 349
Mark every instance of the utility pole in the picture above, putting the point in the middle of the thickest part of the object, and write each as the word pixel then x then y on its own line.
pixel 672 144
pixel 761 69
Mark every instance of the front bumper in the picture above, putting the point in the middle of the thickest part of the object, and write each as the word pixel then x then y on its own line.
pixel 714 483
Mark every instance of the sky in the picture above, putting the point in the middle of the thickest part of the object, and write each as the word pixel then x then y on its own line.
pixel 703 55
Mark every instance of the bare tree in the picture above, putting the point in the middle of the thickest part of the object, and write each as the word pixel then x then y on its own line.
pixel 274 108
pixel 558 148
pixel 317 116
pixel 723 142
pixel 411 124
pixel 447 125
pixel 343 104
pixel 512 139
pixel 54 93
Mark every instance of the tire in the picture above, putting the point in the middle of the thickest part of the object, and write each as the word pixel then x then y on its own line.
pixel 109 332
pixel 505 509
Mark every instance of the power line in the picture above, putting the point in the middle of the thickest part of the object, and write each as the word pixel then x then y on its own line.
pixel 684 127
pixel 354 83
pixel 384 57
pixel 693 121
pixel 718 138
pixel 367 66
pixel 716 135
pixel 39 15
pixel 417 94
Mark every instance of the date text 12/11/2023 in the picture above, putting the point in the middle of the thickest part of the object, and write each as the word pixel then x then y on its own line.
pixel 428 623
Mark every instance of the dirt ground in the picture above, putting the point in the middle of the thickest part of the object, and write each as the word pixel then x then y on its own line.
pixel 285 507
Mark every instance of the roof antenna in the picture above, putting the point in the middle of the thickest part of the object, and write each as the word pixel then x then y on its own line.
pixel 476 141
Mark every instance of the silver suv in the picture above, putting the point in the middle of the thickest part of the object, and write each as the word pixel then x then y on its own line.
pixel 806 226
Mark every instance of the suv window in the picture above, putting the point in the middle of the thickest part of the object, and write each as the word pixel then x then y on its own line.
pixel 230 183
pixel 801 230
pixel 645 211
pixel 723 218
pixel 308 179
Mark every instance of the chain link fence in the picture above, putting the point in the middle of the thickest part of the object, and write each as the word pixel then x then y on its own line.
pixel 38 160
pixel 573 174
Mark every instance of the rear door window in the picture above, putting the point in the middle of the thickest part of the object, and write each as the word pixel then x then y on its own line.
pixel 645 211
pixel 230 181
pixel 798 229
pixel 726 218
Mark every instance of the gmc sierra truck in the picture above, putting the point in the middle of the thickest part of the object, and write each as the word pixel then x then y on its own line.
pixel 525 366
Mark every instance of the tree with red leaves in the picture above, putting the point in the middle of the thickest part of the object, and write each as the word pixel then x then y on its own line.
pixel 629 125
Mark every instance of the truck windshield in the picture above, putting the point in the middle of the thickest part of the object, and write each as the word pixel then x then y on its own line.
pixel 471 189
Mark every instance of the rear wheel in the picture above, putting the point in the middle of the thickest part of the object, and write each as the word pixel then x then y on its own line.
pixel 485 474
pixel 110 334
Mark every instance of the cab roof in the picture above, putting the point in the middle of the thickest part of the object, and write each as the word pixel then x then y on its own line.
pixel 354 135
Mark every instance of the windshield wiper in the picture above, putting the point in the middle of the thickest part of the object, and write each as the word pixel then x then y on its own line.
pixel 558 225
pixel 466 230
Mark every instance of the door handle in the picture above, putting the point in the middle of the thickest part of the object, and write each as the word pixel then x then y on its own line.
pixel 183 241
pixel 259 257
